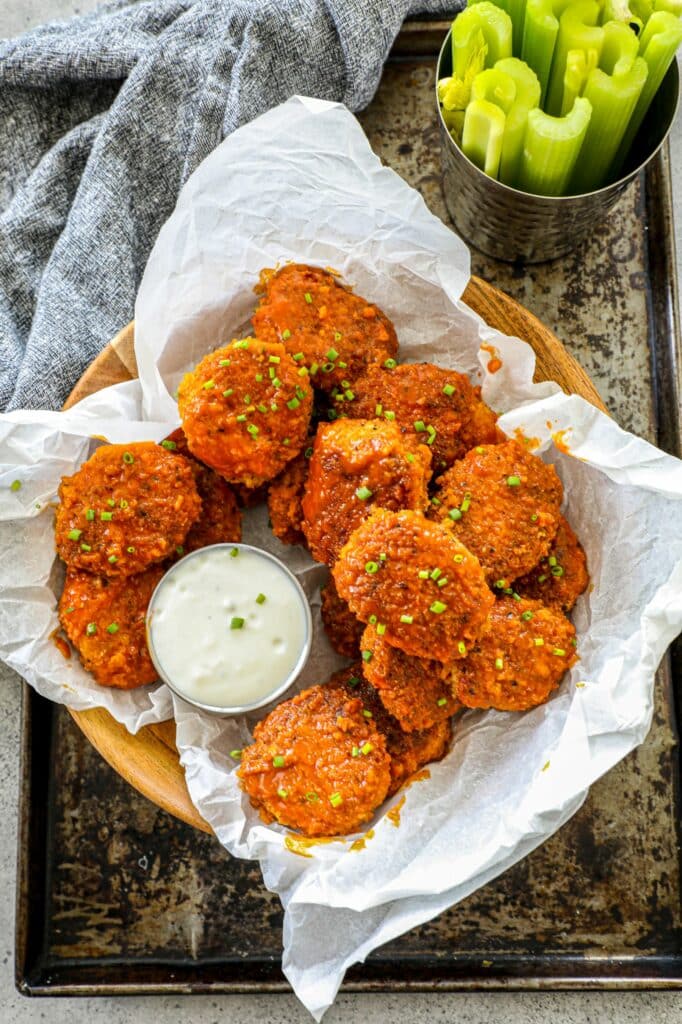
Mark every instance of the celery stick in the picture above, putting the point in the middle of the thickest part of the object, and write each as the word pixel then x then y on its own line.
pixel 527 97
pixel 672 6
pixel 516 9
pixel 540 31
pixel 496 28
pixel 551 149
pixel 642 9
pixel 496 87
pixel 482 135
pixel 658 44
pixel 620 48
pixel 620 11
pixel 578 30
pixel 579 63
pixel 613 98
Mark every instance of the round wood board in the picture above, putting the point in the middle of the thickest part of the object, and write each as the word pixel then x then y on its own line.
pixel 149 760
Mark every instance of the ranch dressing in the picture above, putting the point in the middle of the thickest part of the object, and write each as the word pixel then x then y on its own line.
pixel 228 627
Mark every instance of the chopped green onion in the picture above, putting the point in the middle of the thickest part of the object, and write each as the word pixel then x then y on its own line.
pixel 435 574
pixel 455 514
pixel 252 429
pixel 335 799
pixel 381 628
pixel 539 642
pixel 437 607
pixel 278 761
pixel 407 619
pixel 274 359
pixel 262 408
pixel 499 664
pixel 91 628
pixel 373 620
pixel 112 628
pixel 353 681
pixel 458 558
pixel 85 547
pixel 332 354
pixel 441 702
pixel 419 426
pixel 123 503
pixel 390 364
pixel 557 571
pixel 308 297
pixel 308 453
pixel 261 599
pixel 378 409
pixel 131 550
pixel 312 798
pixel 371 568
pixel 355 752
pixel 74 534
pixel 552 560
pixel 106 517
pixel 363 493
pixel 224 362
pixel 298 357
pixel 366 748
pixel 15 485
pixel 410 457
pixel 276 382
pixel 527 616
pixel 286 334
pixel 534 518
pixel 366 713
pixel 448 390
pixel 236 622
pixel 423 574
pixel 442 582
pixel 303 372
pixel 234 552
pixel 90 514
pixel 235 754
pixel 169 445
pixel 559 652
pixel 293 403
pixel 242 418
pixel 247 399
pixel 466 504
pixel 367 655
pixel 207 385
pixel 282 793
pixel 389 415
pixel 228 392
pixel 179 550
pixel 514 481
pixel 462 648
pixel 128 458
pixel 112 559
pixel 244 343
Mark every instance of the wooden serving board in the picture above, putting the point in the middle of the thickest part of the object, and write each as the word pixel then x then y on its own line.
pixel 149 760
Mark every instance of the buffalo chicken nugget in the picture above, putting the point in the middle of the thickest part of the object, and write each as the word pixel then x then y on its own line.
pixel 426 591
pixel 409 751
pixel 519 661
pixel 285 494
pixel 105 621
pixel 323 325
pixel 416 691
pixel 432 405
pixel 220 520
pixel 245 410
pixel 502 503
pixel 301 769
pixel 127 507
pixel 357 465
pixel 344 631
pixel 561 577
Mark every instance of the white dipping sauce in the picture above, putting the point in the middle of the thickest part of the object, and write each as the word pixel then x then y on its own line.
pixel 227 626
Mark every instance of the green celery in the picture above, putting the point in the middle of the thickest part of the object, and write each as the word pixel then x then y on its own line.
pixel 516 9
pixel 578 30
pixel 620 48
pixel 482 20
pixel 620 11
pixel 527 97
pixel 672 6
pixel 658 45
pixel 579 64
pixel 613 98
pixel 642 9
pixel 540 31
pixel 496 87
pixel 551 149
pixel 482 135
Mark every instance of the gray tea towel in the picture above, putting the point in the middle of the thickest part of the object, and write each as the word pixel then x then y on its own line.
pixel 103 118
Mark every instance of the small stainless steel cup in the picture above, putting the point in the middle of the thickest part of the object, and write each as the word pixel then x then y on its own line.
pixel 281 689
pixel 511 225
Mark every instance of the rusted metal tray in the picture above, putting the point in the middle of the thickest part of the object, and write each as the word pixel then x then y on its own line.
pixel 115 896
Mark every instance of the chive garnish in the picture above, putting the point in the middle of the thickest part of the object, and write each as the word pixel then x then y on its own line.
pixel 131 550
pixel 559 652
pixel 261 599
pixel 74 534
pixel 499 664
pixel 437 607
pixel 308 297
pixel 252 429
pixel 91 628
pixel 381 628
pixel 367 655
pixel 455 514
pixel 235 755
pixel 435 574
pixel 293 403
pixel 224 362
pixel 371 567
pixel 112 559
pixel 208 384
pixel 298 357
pixel 389 415
pixel 378 409
pixel 278 761
pixel 462 648
pixel 180 550
pixel 247 399
pixel 106 517
pixel 448 390
pixel 419 426
pixel 236 622
pixel 538 641
pixel 227 392
pixel 353 681
pixel 407 619
pixel 15 485
pixel 366 748
pixel 282 793
pixel 442 702
pixel 90 514
pixel 514 481
pixel 458 558
pixel 363 493
pixel 241 418
pixel 335 799
pixel 128 458
pixel 85 547
pixel 274 359
pixel 332 354
pixel 169 445
pixel 423 574
pixel 286 334
pixel 443 581
pixel 527 616
pixel 390 364
pixel 112 628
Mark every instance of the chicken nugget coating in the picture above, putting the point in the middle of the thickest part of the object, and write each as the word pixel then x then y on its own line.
pixel 409 751
pixel 502 503
pixel 357 465
pixel 127 507
pixel 561 577
pixel 432 405
pixel 105 621
pixel 323 325
pixel 245 410
pixel 419 582
pixel 285 494
pixel 220 520
pixel 519 661
pixel 416 691
pixel 344 631
pixel 301 770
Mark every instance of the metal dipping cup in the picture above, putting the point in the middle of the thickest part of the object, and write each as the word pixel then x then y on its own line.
pixel 281 689
pixel 511 225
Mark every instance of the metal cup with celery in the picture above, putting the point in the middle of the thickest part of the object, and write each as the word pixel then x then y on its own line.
pixel 552 98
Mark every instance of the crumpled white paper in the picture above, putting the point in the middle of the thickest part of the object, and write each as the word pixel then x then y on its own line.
pixel 301 183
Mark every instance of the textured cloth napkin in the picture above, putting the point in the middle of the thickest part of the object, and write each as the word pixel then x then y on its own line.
pixel 103 118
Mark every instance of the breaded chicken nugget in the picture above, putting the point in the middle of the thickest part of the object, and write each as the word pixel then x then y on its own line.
pixel 220 520
pixel 333 332
pixel 285 494
pixel 561 577
pixel 301 769
pixel 357 465
pixel 435 406
pixel 105 621
pixel 416 691
pixel 519 661
pixel 424 587
pixel 344 631
pixel 245 410
pixel 127 507
pixel 502 503
pixel 409 751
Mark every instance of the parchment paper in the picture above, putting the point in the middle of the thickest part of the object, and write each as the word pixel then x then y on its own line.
pixel 301 183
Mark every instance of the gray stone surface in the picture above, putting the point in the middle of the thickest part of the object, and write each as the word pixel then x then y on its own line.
pixel 519 1008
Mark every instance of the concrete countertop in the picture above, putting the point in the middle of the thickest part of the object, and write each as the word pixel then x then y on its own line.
pixel 516 1008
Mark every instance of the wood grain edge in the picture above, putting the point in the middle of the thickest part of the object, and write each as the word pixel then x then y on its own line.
pixel 149 760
